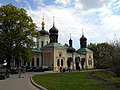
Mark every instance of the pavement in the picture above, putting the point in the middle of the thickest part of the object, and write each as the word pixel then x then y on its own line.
pixel 16 83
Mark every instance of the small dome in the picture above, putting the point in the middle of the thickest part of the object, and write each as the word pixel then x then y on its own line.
pixel 71 49
pixel 44 32
pixel 83 38
pixel 53 30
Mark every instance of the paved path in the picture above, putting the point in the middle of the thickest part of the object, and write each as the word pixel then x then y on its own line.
pixel 15 83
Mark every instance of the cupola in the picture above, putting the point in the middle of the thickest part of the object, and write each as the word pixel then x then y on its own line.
pixel 53 33
pixel 70 49
pixel 43 32
pixel 83 40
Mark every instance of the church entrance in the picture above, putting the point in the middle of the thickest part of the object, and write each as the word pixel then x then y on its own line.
pixel 77 61
pixel 77 66
pixel 82 62
pixel 69 60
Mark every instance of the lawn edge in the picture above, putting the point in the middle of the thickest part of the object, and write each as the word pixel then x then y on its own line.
pixel 36 85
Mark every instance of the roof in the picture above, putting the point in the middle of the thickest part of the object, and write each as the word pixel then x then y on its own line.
pixel 53 29
pixel 36 50
pixel 83 38
pixel 71 50
pixel 84 50
pixel 43 32
pixel 53 45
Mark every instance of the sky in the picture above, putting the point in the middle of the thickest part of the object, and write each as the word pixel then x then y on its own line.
pixel 100 19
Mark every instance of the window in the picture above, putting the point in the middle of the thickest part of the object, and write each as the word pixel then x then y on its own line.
pixel 42 43
pixel 89 62
pixel 24 63
pixel 60 54
pixel 37 62
pixel 37 44
pixel 62 62
pixel 58 62
pixel 32 62
pixel 89 56
pixel 28 64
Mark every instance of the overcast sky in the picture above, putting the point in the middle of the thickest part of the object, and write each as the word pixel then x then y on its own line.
pixel 100 19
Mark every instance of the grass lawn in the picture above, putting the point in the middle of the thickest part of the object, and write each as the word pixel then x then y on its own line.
pixel 97 80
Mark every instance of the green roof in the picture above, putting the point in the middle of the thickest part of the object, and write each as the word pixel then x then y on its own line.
pixel 53 45
pixel 36 50
pixel 83 50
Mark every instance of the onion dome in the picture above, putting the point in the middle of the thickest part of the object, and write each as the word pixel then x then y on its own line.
pixel 83 38
pixel 83 41
pixel 53 29
pixel 70 49
pixel 43 32
pixel 53 33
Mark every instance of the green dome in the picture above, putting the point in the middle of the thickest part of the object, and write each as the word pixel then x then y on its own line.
pixel 84 50
pixel 36 50
pixel 53 45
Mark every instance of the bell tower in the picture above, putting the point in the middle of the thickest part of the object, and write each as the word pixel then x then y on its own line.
pixel 43 39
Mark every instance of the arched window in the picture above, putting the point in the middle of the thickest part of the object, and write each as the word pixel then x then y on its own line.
pixel 62 62
pixel 58 62
pixel 32 62
pixel 24 63
pixel 37 44
pixel 83 62
pixel 42 43
pixel 69 60
pixel 37 62
pixel 28 64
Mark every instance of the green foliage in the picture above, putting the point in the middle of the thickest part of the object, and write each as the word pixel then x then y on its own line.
pixel 114 61
pixel 101 54
pixel 107 56
pixel 17 31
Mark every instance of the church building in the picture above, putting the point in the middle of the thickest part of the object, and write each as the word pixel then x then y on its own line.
pixel 51 53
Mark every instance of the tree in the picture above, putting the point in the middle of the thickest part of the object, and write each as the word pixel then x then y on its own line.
pixel 101 54
pixel 107 56
pixel 17 31
pixel 115 58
